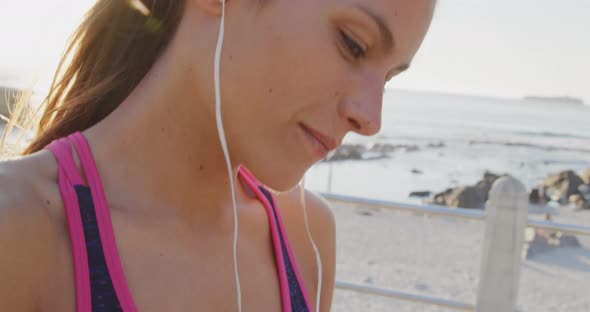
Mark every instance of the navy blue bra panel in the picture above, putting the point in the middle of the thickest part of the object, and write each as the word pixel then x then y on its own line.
pixel 297 300
pixel 103 295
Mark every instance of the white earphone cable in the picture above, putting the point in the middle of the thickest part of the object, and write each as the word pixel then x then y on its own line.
pixel 223 142
pixel 315 248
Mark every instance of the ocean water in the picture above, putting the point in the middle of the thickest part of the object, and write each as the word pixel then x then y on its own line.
pixel 529 140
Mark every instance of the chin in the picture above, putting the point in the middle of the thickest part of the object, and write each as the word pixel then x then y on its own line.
pixel 280 180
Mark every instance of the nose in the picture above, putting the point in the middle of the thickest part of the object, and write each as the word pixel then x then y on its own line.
pixel 362 108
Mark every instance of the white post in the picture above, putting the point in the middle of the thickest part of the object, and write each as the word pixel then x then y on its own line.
pixel 506 218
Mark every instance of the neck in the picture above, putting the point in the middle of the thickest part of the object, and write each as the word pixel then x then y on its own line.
pixel 154 152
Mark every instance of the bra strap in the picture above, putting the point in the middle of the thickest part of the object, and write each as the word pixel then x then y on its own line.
pixel 104 221
pixel 68 176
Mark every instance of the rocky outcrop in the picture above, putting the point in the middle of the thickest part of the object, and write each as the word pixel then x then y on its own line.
pixel 441 198
pixel 536 196
pixel 560 187
pixel 349 152
pixel 470 197
pixel 377 150
pixel 421 194
pixel 374 151
pixel 485 185
pixel 436 145
pixel 579 202
pixel 539 241
pixel 567 188
pixel 466 197
pixel 585 176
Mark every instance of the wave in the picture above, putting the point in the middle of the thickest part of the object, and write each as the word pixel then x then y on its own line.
pixel 549 134
pixel 530 145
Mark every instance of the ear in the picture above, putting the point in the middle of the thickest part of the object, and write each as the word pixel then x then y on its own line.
pixel 212 7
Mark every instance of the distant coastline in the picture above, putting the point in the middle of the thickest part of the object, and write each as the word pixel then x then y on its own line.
pixel 555 99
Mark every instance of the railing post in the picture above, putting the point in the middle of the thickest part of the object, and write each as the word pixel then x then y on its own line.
pixel 506 218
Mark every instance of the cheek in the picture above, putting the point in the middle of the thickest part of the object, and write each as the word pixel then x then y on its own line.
pixel 272 81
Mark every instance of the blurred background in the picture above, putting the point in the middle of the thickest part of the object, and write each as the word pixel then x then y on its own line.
pixel 499 87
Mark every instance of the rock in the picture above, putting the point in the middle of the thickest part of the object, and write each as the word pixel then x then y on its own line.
pixel 374 151
pixel 534 244
pixel 585 190
pixel 416 171
pixel 579 201
pixel 466 197
pixel 348 152
pixel 585 175
pixel 534 196
pixel 565 241
pixel 538 241
pixel 436 145
pixel 560 187
pixel 382 148
pixel 361 152
pixel 485 185
pixel 441 198
pixel 420 194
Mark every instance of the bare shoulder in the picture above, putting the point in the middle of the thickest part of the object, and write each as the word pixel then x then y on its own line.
pixel 28 236
pixel 323 230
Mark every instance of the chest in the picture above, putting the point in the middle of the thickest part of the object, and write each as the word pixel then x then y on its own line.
pixel 164 273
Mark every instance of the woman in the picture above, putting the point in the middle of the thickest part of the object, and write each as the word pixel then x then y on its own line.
pixel 136 103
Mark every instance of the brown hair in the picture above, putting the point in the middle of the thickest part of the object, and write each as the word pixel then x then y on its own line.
pixel 108 55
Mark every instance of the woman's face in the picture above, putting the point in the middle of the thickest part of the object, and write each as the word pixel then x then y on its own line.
pixel 297 76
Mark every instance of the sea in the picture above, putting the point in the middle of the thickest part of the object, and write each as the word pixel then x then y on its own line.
pixel 460 138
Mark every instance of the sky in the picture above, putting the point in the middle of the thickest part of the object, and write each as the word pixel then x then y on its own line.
pixel 506 48
pixel 499 48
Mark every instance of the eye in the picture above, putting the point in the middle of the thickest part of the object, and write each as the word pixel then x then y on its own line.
pixel 354 48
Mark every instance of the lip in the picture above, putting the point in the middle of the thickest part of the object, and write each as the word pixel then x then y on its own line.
pixel 325 141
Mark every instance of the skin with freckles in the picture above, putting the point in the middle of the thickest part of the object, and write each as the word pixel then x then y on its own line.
pixel 296 77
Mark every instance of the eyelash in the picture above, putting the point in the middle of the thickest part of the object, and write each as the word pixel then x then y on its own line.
pixel 353 47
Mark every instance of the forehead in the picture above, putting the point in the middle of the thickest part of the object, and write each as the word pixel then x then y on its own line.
pixel 408 20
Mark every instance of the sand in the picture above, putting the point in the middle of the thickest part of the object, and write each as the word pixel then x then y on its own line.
pixel 440 257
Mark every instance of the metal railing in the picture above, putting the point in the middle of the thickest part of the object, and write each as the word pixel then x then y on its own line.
pixel 506 217
pixel 400 295
pixel 434 210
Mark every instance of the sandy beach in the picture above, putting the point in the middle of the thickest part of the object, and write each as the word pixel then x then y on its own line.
pixel 441 257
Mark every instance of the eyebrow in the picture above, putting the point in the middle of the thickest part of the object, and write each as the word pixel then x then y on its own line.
pixel 386 34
